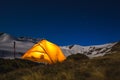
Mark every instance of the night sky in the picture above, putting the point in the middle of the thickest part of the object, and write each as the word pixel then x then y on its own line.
pixel 64 22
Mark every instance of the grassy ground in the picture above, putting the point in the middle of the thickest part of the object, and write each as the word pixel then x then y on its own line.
pixel 75 67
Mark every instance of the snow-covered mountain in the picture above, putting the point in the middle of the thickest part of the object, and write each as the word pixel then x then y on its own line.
pixel 24 43
pixel 7 46
pixel 90 51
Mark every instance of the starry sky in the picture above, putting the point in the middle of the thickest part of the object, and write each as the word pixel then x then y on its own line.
pixel 64 22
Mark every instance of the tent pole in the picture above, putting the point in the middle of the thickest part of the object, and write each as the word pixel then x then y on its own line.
pixel 45 52
pixel 14 49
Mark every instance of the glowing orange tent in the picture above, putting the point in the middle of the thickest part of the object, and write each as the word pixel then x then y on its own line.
pixel 45 52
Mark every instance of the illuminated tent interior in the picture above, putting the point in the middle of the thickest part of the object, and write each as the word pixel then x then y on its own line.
pixel 44 52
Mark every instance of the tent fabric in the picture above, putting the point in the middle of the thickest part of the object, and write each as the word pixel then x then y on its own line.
pixel 45 52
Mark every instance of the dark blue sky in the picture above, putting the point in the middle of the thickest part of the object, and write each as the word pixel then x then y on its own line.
pixel 64 22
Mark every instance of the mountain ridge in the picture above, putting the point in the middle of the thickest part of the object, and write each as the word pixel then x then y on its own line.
pixel 24 43
pixel 90 51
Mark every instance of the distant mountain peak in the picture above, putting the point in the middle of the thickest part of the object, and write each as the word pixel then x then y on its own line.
pixel 71 46
pixel 4 37
pixel 29 39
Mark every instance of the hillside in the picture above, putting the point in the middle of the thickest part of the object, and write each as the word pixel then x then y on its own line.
pixel 75 67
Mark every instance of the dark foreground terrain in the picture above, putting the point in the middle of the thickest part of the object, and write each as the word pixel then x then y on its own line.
pixel 76 67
